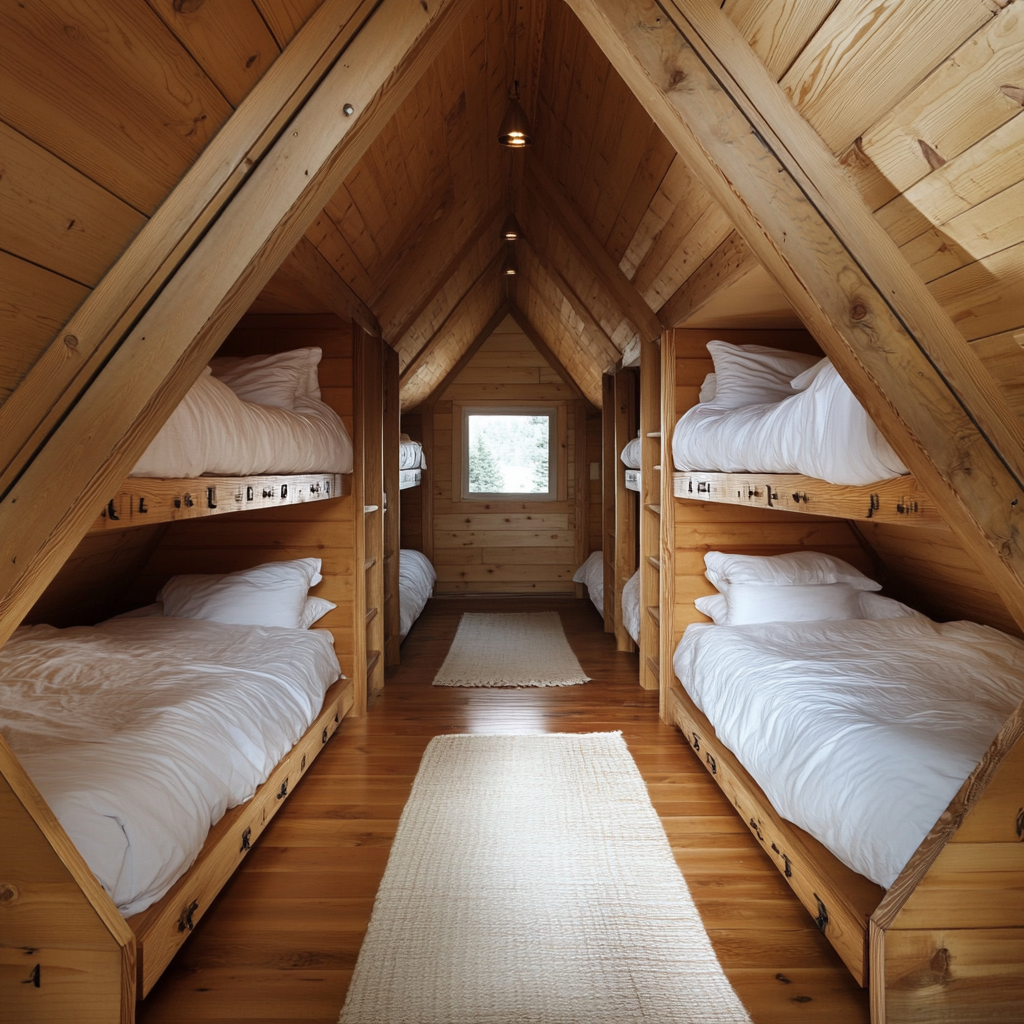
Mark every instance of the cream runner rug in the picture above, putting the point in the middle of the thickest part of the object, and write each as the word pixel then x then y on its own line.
pixel 531 882
pixel 510 649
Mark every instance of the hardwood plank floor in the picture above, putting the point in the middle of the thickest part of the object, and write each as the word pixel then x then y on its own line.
pixel 283 938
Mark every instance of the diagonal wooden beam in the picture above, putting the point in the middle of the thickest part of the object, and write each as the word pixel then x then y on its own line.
pixel 427 349
pixel 894 345
pixel 161 349
pixel 307 265
pixel 594 330
pixel 488 329
pixel 590 251
pixel 435 271
pixel 544 349
pixel 729 263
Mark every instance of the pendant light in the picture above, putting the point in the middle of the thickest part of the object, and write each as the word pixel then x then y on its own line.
pixel 515 131
pixel 510 230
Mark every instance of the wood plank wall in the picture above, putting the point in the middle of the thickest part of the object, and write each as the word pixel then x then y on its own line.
pixel 704 526
pixel 320 530
pixel 508 547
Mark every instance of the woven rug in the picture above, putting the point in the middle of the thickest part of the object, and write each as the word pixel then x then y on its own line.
pixel 510 649
pixel 531 882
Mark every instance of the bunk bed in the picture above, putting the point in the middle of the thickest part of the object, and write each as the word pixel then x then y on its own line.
pixel 946 902
pixel 416 579
pixel 411 462
pixel 234 708
pixel 625 540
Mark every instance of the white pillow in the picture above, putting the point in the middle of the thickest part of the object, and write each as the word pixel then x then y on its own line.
pixel 874 606
pixel 715 607
pixel 805 379
pixel 754 374
pixel 708 389
pixel 315 608
pixel 273 594
pixel 145 612
pixel 279 379
pixel 797 568
pixel 751 603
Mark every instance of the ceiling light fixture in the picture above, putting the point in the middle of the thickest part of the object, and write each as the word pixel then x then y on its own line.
pixel 515 131
pixel 510 230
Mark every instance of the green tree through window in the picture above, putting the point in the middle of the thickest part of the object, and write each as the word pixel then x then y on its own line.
pixel 484 474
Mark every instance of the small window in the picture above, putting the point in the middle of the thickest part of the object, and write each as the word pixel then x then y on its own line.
pixel 509 453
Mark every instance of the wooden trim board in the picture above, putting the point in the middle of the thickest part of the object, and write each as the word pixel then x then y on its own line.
pixel 888 501
pixel 142 501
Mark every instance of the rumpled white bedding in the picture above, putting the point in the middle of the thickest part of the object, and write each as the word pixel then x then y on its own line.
pixel 410 454
pixel 631 606
pixel 859 731
pixel 141 732
pixel 416 578
pixel 822 432
pixel 591 573
pixel 631 454
pixel 213 431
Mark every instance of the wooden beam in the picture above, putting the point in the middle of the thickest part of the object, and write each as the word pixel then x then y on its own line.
pixel 488 329
pixel 542 347
pixel 427 349
pixel 591 253
pixel 590 324
pixel 308 265
pixel 729 263
pixel 894 345
pixel 440 270
pixel 157 355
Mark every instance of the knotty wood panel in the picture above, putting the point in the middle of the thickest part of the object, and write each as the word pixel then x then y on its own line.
pixel 504 547
pixel 322 530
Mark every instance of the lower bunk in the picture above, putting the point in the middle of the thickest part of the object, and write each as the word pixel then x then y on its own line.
pixel 897 742
pixel 122 744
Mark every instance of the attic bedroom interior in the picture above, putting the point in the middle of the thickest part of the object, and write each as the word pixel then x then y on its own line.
pixel 605 413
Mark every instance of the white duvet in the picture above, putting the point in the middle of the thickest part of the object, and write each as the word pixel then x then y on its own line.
pixel 416 578
pixel 631 454
pixel 591 574
pixel 823 431
pixel 214 431
pixel 631 606
pixel 410 454
pixel 859 731
pixel 140 733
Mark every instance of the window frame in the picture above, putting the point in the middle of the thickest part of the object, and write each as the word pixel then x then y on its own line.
pixel 555 411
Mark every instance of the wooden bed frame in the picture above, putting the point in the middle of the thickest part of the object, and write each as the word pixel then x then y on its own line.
pixel 68 954
pixel 946 942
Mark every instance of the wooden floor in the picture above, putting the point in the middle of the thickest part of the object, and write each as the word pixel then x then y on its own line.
pixel 281 943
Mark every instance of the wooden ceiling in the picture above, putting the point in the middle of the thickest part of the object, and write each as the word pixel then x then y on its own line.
pixel 619 236
pixel 112 101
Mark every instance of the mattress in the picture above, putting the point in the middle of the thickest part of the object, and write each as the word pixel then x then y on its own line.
pixel 416 578
pixel 410 454
pixel 591 573
pixel 631 606
pixel 141 732
pixel 214 431
pixel 859 731
pixel 823 432
pixel 631 454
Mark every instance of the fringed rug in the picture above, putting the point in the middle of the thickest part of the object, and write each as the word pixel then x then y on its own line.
pixel 510 649
pixel 531 882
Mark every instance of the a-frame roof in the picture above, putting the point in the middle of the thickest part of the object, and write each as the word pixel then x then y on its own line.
pixel 396 224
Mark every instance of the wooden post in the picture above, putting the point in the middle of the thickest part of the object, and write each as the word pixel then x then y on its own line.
pixel 651 518
pixel 609 490
pixel 626 422
pixel 392 507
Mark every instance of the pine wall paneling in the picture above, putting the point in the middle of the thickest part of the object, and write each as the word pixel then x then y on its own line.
pixel 507 547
